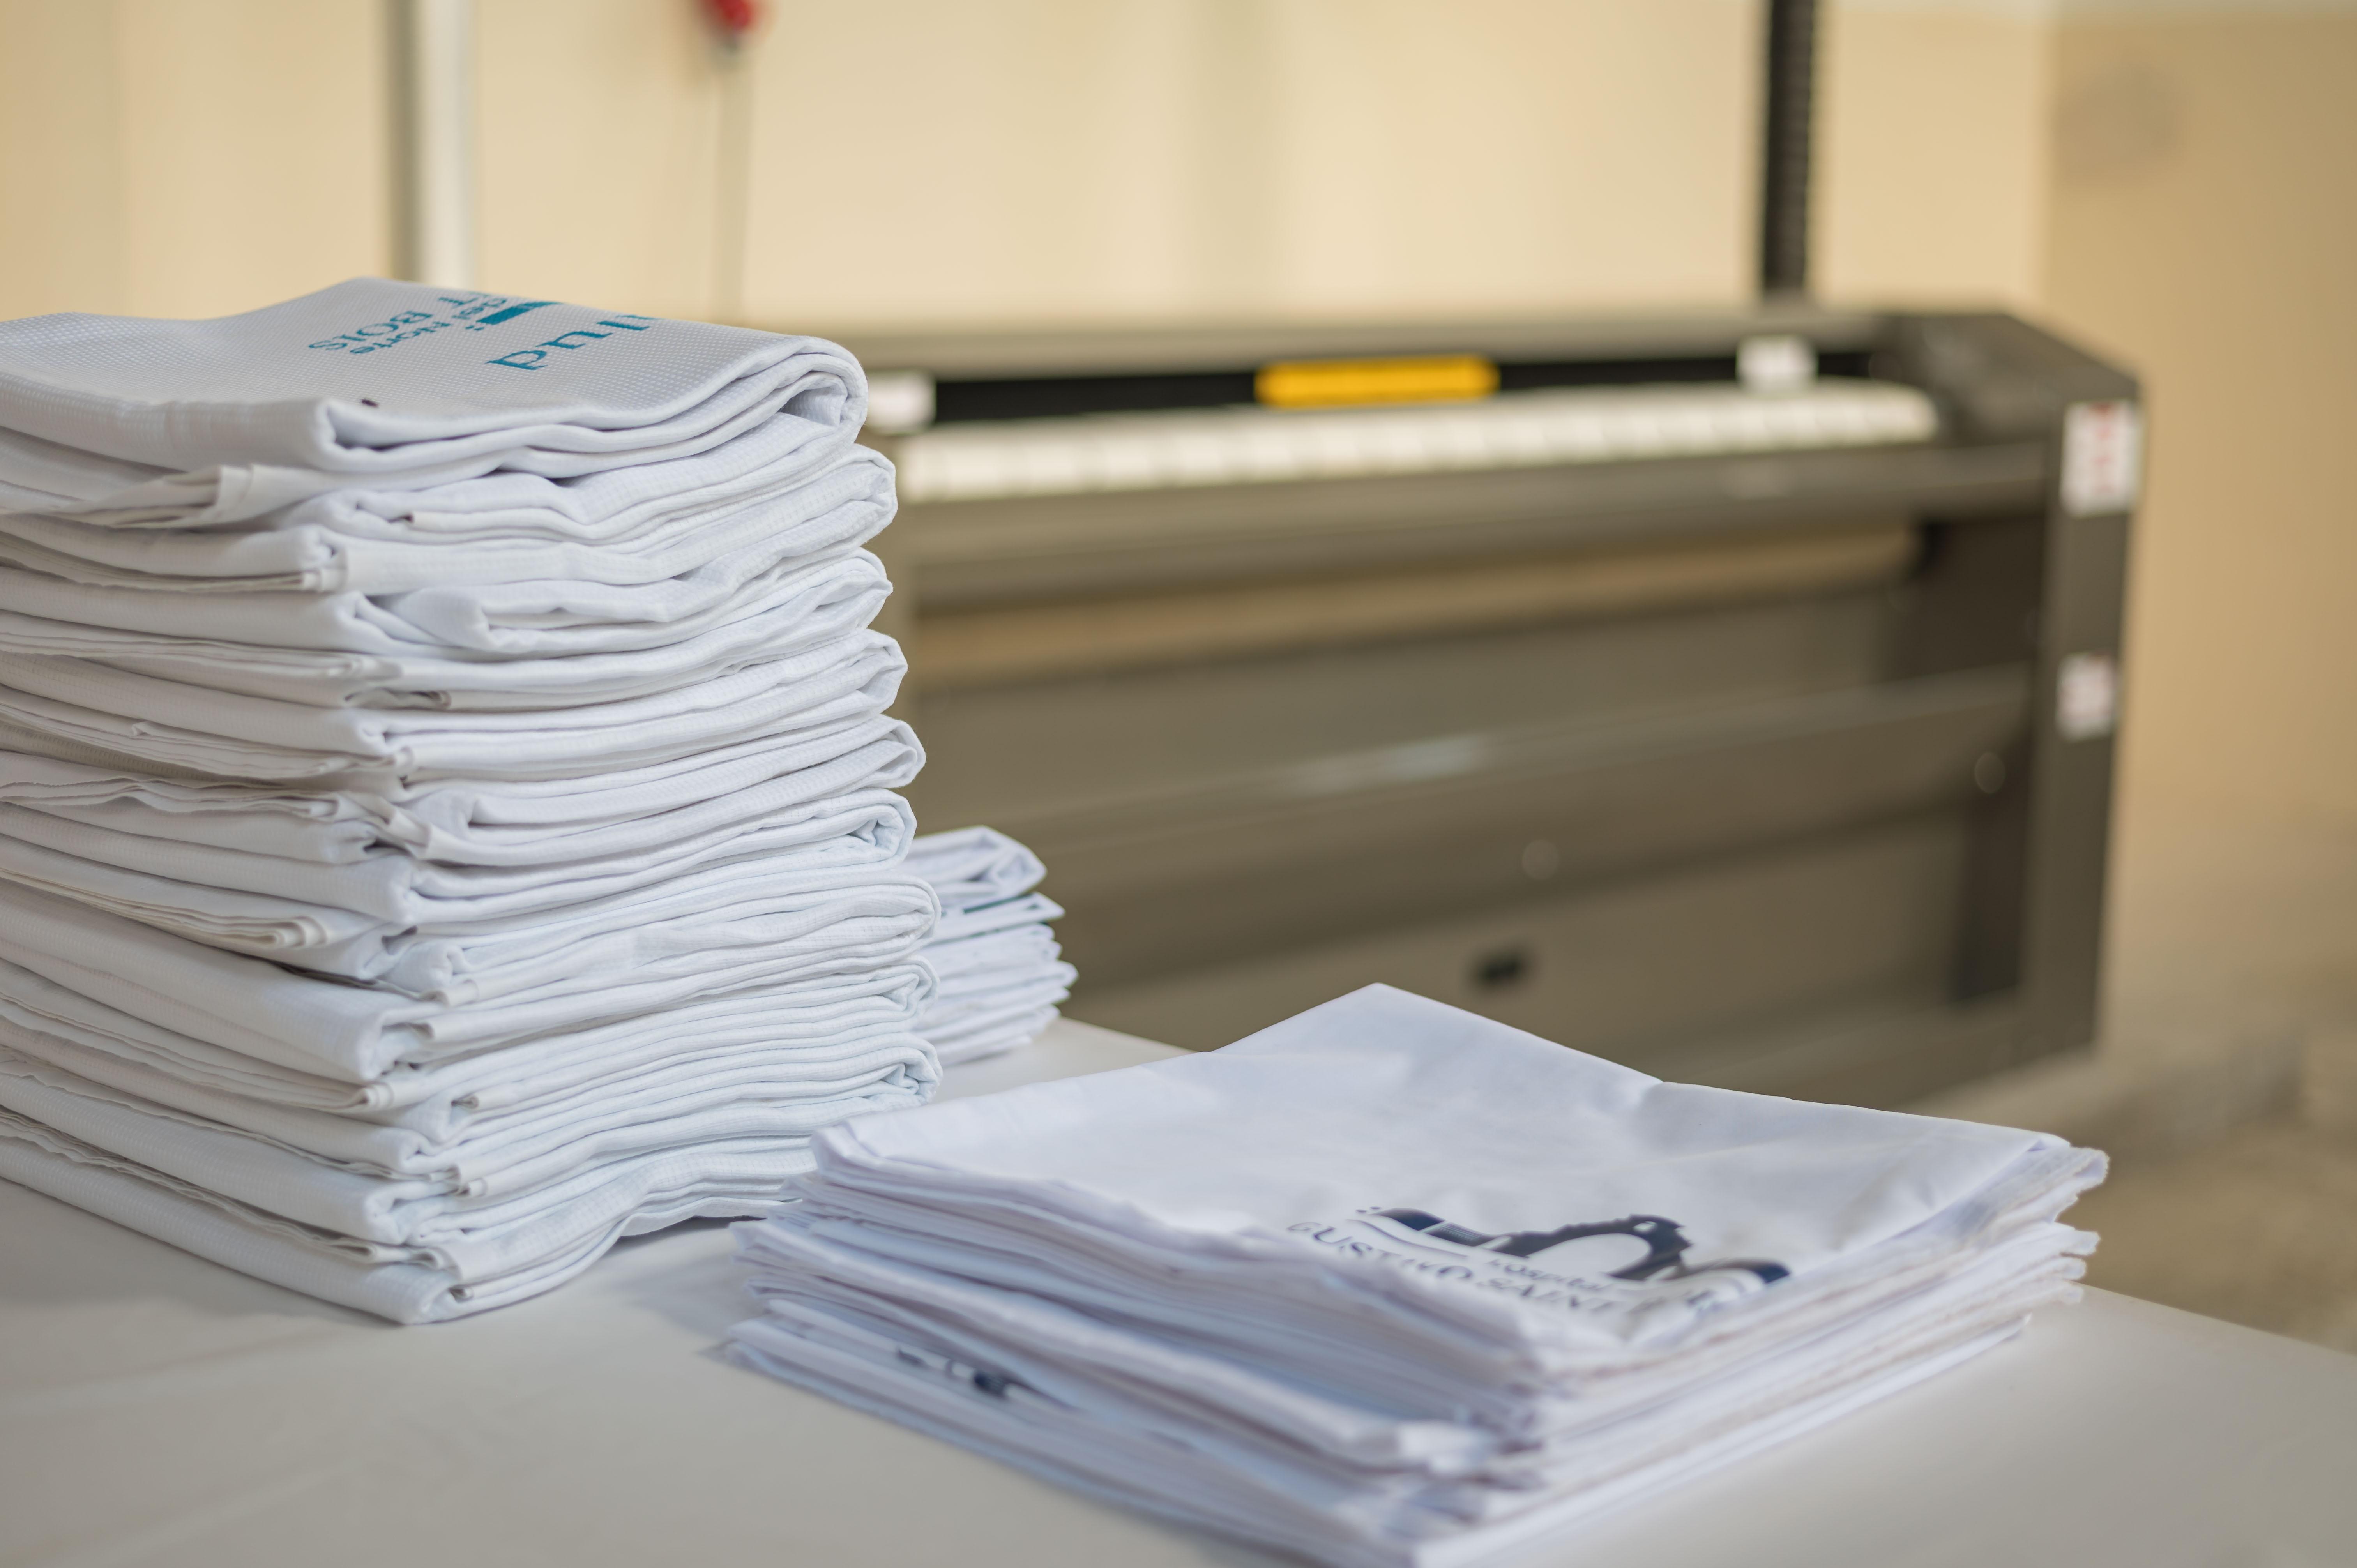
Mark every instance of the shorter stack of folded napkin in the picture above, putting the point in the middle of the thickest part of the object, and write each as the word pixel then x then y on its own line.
pixel 1000 969
pixel 1391 1284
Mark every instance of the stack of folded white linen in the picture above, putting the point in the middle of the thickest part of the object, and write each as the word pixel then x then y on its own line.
pixel 446 798
pixel 1389 1284
pixel 1001 972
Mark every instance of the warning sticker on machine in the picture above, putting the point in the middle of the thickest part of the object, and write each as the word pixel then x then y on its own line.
pixel 2103 457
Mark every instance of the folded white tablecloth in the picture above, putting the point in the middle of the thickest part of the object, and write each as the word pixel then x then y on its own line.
pixel 406 1284
pixel 774 899
pixel 1389 1283
pixel 359 1033
pixel 499 590
pixel 84 711
pixel 402 382
pixel 999 967
pixel 792 1029
pixel 187 886
pixel 969 866
pixel 622 818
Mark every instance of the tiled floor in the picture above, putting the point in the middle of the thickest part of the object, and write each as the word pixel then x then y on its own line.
pixel 2260 1228
pixel 2226 931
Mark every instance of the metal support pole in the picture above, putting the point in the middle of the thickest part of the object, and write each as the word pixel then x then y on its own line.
pixel 1790 102
pixel 432 60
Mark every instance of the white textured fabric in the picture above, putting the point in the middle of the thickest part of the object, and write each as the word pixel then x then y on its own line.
pixel 407 382
pixel 1000 968
pixel 812 604
pixel 1389 1283
pixel 359 1033
pixel 499 672
pixel 273 904
pixel 390 1186
pixel 773 491
pixel 615 818
pixel 408 1284
pixel 541 935
pixel 973 866
pixel 96 711
pixel 788 1030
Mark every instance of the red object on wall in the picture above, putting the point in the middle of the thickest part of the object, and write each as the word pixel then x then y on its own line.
pixel 731 18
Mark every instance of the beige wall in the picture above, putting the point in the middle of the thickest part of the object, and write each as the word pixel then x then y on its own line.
pixel 957 160
pixel 1932 152
pixel 2204 228
pixel 188 157
pixel 946 160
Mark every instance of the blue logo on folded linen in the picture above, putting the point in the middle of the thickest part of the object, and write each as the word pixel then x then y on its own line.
pixel 532 358
pixel 474 313
pixel 510 312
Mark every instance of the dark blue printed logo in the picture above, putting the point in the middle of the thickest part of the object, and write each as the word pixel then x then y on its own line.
pixel 1665 1244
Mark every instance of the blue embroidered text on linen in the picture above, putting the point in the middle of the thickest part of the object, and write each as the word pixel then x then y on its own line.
pixel 477 312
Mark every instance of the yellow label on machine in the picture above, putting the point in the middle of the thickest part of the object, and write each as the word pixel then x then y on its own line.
pixel 1336 383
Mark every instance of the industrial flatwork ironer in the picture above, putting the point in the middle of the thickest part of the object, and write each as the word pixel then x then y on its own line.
pixel 1729 695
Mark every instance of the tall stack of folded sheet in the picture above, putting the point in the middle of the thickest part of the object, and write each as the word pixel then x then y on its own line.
pixel 1001 972
pixel 445 801
pixel 1391 1284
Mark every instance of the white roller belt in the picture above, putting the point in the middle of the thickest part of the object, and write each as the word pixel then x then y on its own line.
pixel 989 459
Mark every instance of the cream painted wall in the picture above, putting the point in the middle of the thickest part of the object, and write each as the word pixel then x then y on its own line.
pixel 947 160
pixel 188 157
pixel 2204 228
pixel 1932 152
pixel 994 159
pixel 61 205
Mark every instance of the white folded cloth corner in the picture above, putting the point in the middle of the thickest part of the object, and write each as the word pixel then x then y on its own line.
pixel 1000 969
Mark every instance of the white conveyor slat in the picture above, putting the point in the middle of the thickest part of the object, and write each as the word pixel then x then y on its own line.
pixel 1109 452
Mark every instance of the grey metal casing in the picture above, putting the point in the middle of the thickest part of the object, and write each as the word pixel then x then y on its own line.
pixel 1225 834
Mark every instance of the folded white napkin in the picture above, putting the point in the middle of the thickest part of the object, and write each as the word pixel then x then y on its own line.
pixel 291 903
pixel 1000 972
pixel 619 820
pixel 1389 1283
pixel 771 896
pixel 140 873
pixel 971 867
pixel 791 1030
pixel 84 711
pixel 522 1258
pixel 400 381
pixel 389 1184
pixel 786 487
pixel 361 1034
pixel 817 604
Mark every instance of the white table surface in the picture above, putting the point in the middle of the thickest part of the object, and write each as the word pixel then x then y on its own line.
pixel 155 1409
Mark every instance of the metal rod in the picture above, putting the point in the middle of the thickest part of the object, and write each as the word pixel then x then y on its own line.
pixel 433 97
pixel 1790 100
